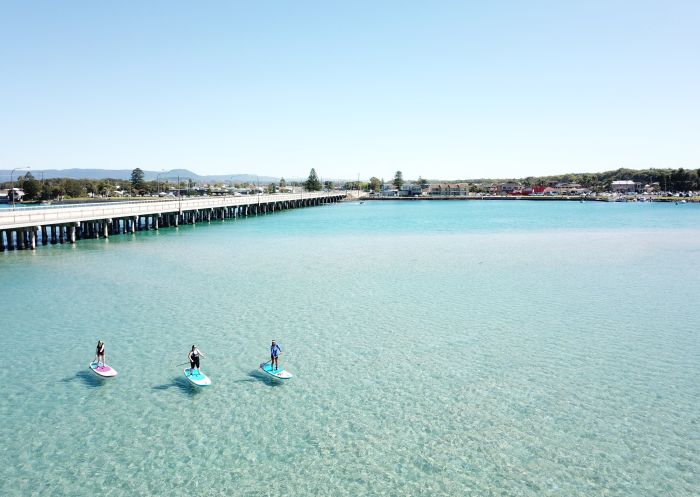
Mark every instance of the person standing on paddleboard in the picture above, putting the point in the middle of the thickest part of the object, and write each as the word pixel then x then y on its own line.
pixel 193 356
pixel 275 351
pixel 100 353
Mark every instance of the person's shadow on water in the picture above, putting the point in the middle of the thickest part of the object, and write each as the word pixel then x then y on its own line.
pixel 181 385
pixel 89 379
pixel 257 375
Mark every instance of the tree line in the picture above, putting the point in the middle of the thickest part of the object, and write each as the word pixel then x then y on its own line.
pixel 674 180
pixel 53 188
pixel 57 188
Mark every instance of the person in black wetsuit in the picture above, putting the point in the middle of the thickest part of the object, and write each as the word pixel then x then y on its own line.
pixel 193 356
pixel 100 353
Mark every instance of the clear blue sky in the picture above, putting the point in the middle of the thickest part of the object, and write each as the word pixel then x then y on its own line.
pixel 439 89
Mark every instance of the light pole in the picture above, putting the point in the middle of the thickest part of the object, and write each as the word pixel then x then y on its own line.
pixel 162 172
pixel 12 182
pixel 158 181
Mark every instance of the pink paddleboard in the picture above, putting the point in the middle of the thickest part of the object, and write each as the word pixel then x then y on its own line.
pixel 104 371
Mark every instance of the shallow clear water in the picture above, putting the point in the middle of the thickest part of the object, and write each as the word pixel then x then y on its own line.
pixel 439 348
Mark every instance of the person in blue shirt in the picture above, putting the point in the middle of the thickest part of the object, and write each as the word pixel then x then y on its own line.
pixel 275 351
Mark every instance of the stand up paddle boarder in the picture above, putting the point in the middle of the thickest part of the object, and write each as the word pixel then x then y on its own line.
pixel 193 356
pixel 100 353
pixel 275 351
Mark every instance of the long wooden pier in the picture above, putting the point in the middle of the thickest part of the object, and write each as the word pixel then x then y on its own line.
pixel 26 227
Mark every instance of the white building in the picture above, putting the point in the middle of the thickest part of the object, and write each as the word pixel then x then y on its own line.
pixel 510 187
pixel 5 197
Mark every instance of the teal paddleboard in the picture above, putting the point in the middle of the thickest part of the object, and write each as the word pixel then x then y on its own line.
pixel 196 377
pixel 279 374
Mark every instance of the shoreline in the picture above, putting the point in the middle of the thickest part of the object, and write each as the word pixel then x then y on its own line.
pixel 534 198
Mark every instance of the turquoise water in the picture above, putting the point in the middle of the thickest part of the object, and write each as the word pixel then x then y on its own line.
pixel 439 348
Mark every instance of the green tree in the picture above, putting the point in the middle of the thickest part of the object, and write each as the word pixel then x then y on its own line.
pixel 375 184
pixel 103 188
pixel 57 191
pixel 31 187
pixel 46 192
pixel 312 183
pixel 680 179
pixel 137 179
pixel 73 188
pixel 328 185
pixel 398 179
pixel 423 183
pixel 283 183
pixel 271 188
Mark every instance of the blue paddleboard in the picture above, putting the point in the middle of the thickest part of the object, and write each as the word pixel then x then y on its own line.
pixel 279 374
pixel 196 377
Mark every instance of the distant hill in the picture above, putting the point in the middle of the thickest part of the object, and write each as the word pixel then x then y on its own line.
pixel 125 174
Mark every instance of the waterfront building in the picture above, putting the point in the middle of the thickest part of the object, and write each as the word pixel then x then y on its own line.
pixel 534 190
pixel 571 188
pixel 653 187
pixel 625 186
pixel 410 190
pixel 6 197
pixel 510 187
pixel 388 190
pixel 449 190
